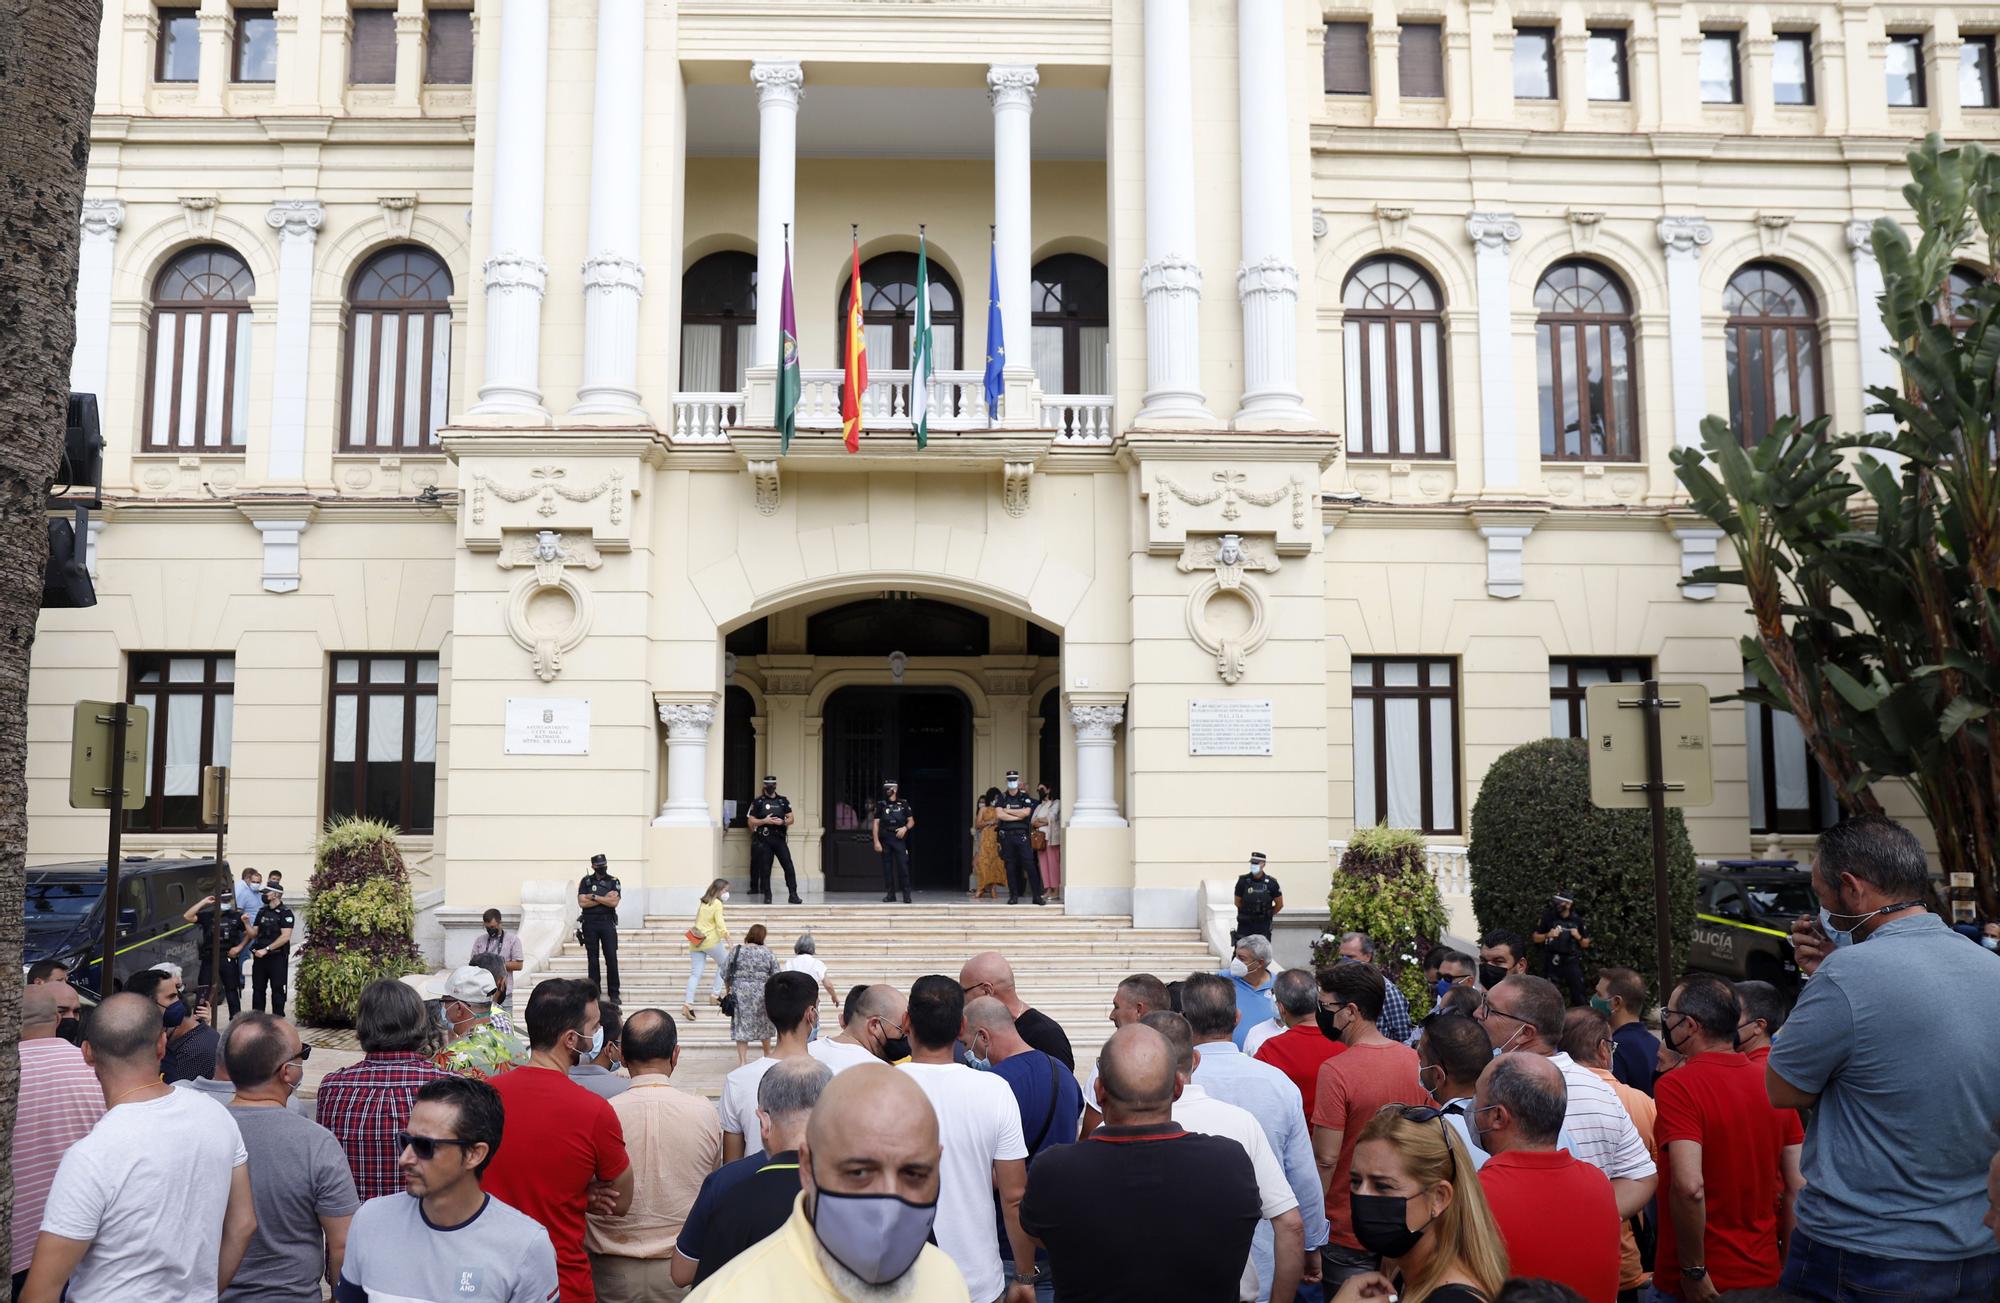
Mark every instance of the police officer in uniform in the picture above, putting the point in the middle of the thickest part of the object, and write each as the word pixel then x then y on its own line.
pixel 271 952
pixel 597 898
pixel 1258 900
pixel 235 938
pixel 770 817
pixel 1017 851
pixel 1564 936
pixel 891 825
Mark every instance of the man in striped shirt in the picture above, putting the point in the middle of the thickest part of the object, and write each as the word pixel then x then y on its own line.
pixel 60 1102
pixel 367 1104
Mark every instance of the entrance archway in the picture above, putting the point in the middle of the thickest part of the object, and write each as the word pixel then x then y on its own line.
pixel 921 737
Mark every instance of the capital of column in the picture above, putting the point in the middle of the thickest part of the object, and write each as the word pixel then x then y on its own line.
pixel 296 219
pixel 1492 232
pixel 1684 236
pixel 1170 273
pixel 779 82
pixel 611 271
pixel 101 218
pixel 1860 238
pixel 505 271
pixel 1096 723
pixel 1267 276
pixel 1012 85
pixel 687 721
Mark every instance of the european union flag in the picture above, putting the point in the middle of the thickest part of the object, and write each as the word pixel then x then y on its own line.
pixel 996 342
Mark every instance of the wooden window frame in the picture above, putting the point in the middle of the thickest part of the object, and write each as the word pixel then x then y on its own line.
pixel 1919 81
pixel 1774 818
pixel 1423 692
pixel 1572 693
pixel 1620 41
pixel 1072 321
pixel 1547 35
pixel 161 20
pixel 1738 329
pixel 1389 317
pixel 405 310
pixel 1989 75
pixel 195 309
pixel 151 817
pixel 253 13
pixel 728 322
pixel 900 321
pixel 1367 61
pixel 1593 329
pixel 361 690
pixel 1810 90
pixel 1734 40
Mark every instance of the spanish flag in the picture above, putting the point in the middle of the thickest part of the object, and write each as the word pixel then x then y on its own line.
pixel 854 360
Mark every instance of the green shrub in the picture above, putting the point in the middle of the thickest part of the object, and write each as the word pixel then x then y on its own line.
pixel 360 920
pixel 1535 832
pixel 1383 886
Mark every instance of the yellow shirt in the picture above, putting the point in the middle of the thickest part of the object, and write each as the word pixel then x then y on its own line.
pixel 709 919
pixel 675 1140
pixel 786 1267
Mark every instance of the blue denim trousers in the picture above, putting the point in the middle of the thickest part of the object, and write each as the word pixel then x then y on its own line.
pixel 1834 1275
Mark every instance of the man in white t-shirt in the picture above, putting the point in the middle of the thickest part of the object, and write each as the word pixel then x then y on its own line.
pixel 154 1203
pixel 791 1000
pixel 1196 1110
pixel 873 1032
pixel 980 1126
pixel 805 959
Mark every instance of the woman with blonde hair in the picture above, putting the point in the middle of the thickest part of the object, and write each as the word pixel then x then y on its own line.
pixel 1416 1201
pixel 704 940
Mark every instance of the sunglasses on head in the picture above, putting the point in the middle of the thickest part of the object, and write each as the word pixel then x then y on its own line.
pixel 1421 1113
pixel 425 1147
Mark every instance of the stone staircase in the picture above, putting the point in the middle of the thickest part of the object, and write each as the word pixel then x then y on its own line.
pixel 1065 965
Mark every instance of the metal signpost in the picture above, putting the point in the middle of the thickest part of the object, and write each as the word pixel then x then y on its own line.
pixel 215 810
pixel 1649 748
pixel 107 752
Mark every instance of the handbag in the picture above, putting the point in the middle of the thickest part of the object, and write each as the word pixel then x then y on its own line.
pixel 728 1002
pixel 695 937
pixel 1038 839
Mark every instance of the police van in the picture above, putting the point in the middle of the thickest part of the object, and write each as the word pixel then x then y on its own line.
pixel 1743 920
pixel 63 915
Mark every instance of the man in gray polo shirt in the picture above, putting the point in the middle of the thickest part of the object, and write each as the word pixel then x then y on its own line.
pixel 1887 1044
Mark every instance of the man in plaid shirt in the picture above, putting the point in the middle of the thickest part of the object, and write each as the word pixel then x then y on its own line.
pixel 367 1104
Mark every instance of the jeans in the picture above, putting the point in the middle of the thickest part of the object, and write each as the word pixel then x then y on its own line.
pixel 697 961
pixel 1827 1274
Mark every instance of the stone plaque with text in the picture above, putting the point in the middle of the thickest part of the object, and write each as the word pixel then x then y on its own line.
pixel 548 726
pixel 1229 728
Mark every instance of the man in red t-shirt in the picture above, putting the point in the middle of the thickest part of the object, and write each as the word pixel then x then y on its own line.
pixel 1352 1087
pixel 562 1152
pixel 1298 1050
pixel 1761 1012
pixel 1732 1166
pixel 1556 1213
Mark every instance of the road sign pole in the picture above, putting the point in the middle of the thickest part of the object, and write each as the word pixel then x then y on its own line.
pixel 106 976
pixel 1656 803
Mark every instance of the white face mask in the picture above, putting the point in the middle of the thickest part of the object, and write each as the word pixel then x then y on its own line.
pixel 1013 784
pixel 725 895
pixel 1238 968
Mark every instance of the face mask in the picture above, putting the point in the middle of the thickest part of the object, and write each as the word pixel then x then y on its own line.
pixel 725 895
pixel 875 1236
pixel 1237 968
pixel 71 1030
pixel 1257 869
pixel 1491 975
pixel 1991 943
pixel 1424 1081
pixel 895 1048
pixel 596 1046
pixel 1013 784
pixel 978 1060
pixel 770 789
pixel 1381 1223
pixel 1507 1044
pixel 1845 936
pixel 175 1014
pixel 493 931
pixel 1442 987
pixel 1472 1125
pixel 1329 1026
pixel 1601 1004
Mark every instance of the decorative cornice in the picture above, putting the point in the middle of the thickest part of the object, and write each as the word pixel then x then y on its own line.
pixel 1012 85
pixel 780 81
pixel 1684 236
pixel 101 218
pixel 296 219
pixel 1492 232
pixel 612 271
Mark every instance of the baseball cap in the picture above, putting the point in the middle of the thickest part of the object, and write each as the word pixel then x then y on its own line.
pixel 470 985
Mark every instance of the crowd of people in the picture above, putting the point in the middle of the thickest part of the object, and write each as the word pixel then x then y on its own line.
pixel 1250 1134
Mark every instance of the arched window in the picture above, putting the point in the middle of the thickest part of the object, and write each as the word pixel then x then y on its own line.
pixel 198 377
pixel 1584 361
pixel 1772 341
pixel 888 310
pixel 718 322
pixel 1072 325
pixel 1394 337
pixel 398 352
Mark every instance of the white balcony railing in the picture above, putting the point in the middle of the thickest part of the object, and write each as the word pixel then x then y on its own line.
pixel 1082 419
pixel 706 418
pixel 957 402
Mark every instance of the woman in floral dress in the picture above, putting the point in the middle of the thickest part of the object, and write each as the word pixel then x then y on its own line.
pixel 746 972
pixel 988 873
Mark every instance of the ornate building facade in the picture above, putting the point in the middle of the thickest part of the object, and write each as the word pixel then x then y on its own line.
pixel 1345 346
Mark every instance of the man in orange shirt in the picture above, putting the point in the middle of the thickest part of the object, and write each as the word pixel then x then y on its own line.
pixel 1588 1038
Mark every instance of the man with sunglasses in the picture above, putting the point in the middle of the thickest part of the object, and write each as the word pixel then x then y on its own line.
pixel 446 1238
pixel 300 1184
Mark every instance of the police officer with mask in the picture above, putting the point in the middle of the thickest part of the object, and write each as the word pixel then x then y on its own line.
pixel 890 826
pixel 1564 936
pixel 1259 899
pixel 271 952
pixel 234 939
pixel 597 898
pixel 1015 833
pixel 769 818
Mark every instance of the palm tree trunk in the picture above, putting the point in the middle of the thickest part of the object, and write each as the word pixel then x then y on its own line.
pixel 48 78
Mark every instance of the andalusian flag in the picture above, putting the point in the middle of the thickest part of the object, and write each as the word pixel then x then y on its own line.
pixel 854 360
pixel 788 362
pixel 920 349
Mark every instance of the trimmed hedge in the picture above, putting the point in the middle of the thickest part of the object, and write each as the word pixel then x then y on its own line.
pixel 360 921
pixel 1384 887
pixel 1535 832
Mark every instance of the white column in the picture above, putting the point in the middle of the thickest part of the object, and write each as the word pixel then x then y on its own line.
pixel 1491 233
pixel 613 280
pixel 1010 88
pixel 297 222
pixel 1878 368
pixel 780 84
pixel 687 764
pixel 1683 238
pixel 515 274
pixel 1267 282
pixel 90 364
pixel 1095 802
pixel 1170 279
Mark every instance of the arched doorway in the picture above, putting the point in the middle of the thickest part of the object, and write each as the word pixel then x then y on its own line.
pixel 921 737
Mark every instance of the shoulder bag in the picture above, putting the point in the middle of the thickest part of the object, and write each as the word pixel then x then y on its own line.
pixel 728 1001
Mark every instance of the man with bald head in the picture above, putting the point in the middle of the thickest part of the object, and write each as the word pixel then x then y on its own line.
pixel 989 973
pixel 154 1203
pixel 872 1033
pixel 1556 1213
pixel 1049 1100
pixel 1144 1209
pixel 59 1103
pixel 869 1171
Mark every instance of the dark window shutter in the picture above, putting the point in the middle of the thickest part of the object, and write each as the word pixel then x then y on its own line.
pixel 1347 58
pixel 1420 61
pixel 372 56
pixel 448 48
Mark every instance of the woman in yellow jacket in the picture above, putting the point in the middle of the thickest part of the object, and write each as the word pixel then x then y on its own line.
pixel 714 932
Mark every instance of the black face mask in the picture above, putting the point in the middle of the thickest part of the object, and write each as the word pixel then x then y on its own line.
pixel 71 1030
pixel 1381 1223
pixel 895 1048
pixel 493 930
pixel 1328 1027
pixel 1491 975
